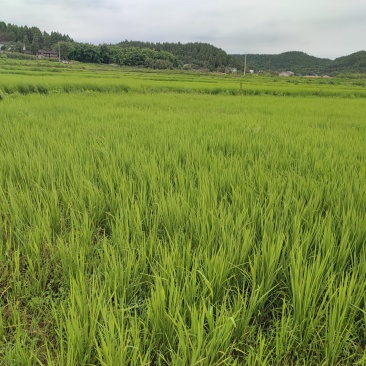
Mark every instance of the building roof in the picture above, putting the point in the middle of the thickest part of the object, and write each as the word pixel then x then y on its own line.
pixel 5 37
pixel 48 51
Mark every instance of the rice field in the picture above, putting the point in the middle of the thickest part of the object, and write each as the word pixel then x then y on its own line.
pixel 177 219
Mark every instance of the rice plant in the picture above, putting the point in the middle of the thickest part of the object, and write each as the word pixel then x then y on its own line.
pixel 173 228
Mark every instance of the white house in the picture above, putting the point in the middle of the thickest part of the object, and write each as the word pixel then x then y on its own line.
pixel 286 73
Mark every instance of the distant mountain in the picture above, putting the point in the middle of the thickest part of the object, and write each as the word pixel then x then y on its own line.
pixel 356 62
pixel 302 63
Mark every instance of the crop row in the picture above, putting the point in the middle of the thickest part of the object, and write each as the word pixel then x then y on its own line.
pixel 32 78
pixel 138 229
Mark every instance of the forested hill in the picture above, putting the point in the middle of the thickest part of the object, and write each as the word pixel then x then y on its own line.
pixel 193 55
pixel 301 63
pixel 297 62
pixel 130 53
pixel 24 40
pixel 356 62
pixel 32 37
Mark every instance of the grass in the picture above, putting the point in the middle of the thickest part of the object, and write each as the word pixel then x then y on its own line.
pixel 44 77
pixel 181 229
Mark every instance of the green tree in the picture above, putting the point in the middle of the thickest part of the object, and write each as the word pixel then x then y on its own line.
pixel 25 41
pixel 3 27
pixel 66 48
pixel 105 56
pixel 46 40
pixel 35 45
pixel 85 52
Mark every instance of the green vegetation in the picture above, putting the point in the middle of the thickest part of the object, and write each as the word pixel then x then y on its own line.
pixel 27 77
pixel 127 53
pixel 151 218
pixel 132 56
pixel 167 55
pixel 32 37
pixel 297 62
pixel 356 62
pixel 194 55
pixel 303 64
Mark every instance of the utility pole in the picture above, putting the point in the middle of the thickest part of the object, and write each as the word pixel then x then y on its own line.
pixel 59 52
pixel 245 63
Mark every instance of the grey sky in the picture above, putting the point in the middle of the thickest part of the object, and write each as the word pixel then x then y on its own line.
pixel 323 28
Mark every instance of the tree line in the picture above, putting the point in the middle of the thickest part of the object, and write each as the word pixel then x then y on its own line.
pixel 130 53
pixel 112 54
pixel 194 55
pixel 31 37
pixel 171 55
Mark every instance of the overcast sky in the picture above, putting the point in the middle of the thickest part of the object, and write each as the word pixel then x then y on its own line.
pixel 323 28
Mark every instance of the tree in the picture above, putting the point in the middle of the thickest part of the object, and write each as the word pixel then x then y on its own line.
pixel 104 54
pixel 35 45
pixel 3 27
pixel 25 40
pixel 66 48
pixel 85 52
pixel 14 46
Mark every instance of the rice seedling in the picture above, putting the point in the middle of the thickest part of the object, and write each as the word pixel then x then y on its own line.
pixel 179 228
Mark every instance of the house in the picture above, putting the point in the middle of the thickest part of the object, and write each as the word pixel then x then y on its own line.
pixel 286 73
pixel 49 55
pixel 231 70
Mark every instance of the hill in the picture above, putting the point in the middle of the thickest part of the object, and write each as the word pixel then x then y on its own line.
pixel 31 37
pixel 132 53
pixel 196 55
pixel 356 62
pixel 193 55
pixel 302 63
